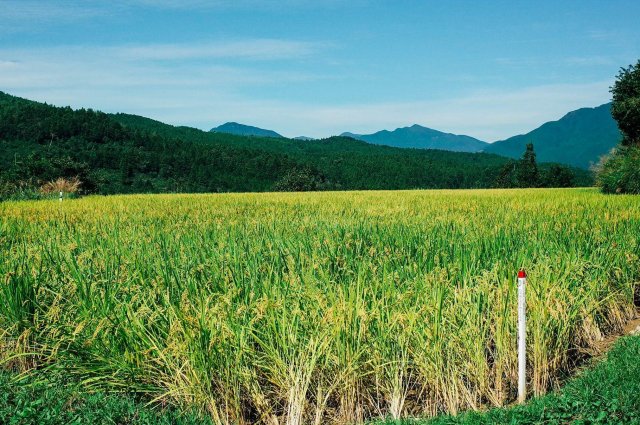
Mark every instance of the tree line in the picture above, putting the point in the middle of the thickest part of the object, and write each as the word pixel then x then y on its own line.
pixel 121 153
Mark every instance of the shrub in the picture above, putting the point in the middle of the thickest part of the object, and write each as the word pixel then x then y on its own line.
pixel 61 184
pixel 299 180
pixel 18 190
pixel 620 171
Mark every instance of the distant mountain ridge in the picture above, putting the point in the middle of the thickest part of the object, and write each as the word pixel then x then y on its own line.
pixel 579 138
pixel 244 130
pixel 417 136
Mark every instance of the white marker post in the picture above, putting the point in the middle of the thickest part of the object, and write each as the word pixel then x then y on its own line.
pixel 60 196
pixel 522 335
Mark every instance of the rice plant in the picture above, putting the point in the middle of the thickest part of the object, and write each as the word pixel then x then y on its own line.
pixel 315 307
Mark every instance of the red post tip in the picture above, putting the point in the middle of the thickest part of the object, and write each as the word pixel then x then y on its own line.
pixel 521 274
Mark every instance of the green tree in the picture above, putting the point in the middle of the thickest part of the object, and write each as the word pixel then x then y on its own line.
pixel 558 176
pixel 299 180
pixel 620 171
pixel 507 176
pixel 625 107
pixel 527 170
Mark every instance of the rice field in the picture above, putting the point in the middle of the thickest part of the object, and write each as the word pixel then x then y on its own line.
pixel 318 307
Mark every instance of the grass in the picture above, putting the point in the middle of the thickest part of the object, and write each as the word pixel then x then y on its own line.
pixel 314 308
pixel 50 399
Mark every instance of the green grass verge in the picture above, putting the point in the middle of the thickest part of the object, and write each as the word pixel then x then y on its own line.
pixel 48 399
pixel 608 393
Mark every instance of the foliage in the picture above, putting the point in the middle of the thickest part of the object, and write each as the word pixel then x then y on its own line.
pixel 47 398
pixel 557 176
pixel 620 171
pixel 507 177
pixel 299 180
pixel 607 394
pixel 19 190
pixel 525 173
pixel 626 104
pixel 316 307
pixel 61 184
pixel 128 154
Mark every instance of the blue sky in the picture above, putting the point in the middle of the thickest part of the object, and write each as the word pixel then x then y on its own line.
pixel 489 69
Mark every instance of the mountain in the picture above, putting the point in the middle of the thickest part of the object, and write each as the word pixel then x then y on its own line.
pixel 420 137
pixel 244 130
pixel 579 138
pixel 305 138
pixel 123 153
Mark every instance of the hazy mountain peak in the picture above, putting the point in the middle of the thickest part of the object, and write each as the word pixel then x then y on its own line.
pixel 420 137
pixel 579 138
pixel 244 130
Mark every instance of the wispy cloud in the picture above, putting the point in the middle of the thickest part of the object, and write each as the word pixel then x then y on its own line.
pixel 236 4
pixel 87 67
pixel 489 115
pixel 210 90
pixel 604 35
pixel 590 61
pixel 16 12
pixel 260 49
pixel 547 62
pixel 130 79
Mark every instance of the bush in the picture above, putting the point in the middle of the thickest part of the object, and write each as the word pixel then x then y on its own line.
pixel 620 171
pixel 18 190
pixel 67 186
pixel 300 180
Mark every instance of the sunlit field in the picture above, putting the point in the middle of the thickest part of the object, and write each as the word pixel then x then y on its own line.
pixel 317 307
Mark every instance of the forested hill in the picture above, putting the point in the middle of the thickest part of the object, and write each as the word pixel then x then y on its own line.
pixel 127 154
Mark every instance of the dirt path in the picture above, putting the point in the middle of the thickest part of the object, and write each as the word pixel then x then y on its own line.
pixel 631 328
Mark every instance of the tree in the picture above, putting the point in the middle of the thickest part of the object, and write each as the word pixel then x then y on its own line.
pixel 527 171
pixel 625 107
pixel 558 176
pixel 507 176
pixel 620 171
pixel 299 180
pixel 521 173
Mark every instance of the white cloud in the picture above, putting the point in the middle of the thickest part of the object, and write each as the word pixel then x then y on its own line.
pixel 488 115
pixel 590 61
pixel 604 35
pixel 262 49
pixel 242 4
pixel 17 12
pixel 208 92
pixel 117 67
